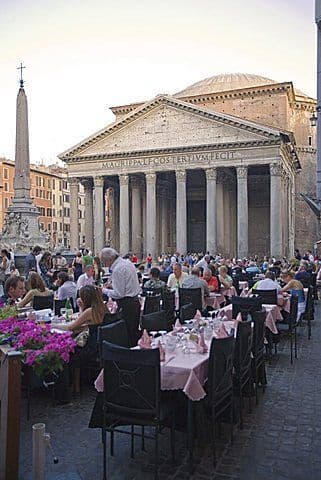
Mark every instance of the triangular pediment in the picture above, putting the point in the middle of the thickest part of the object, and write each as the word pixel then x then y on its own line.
pixel 166 123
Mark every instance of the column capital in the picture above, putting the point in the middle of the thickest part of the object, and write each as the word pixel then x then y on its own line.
pixel 87 183
pixel 241 172
pixel 275 169
pixel 123 179
pixel 180 175
pixel 150 177
pixel 99 181
pixel 211 173
pixel 73 181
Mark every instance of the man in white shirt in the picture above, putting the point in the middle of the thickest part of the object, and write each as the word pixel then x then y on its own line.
pixel 204 262
pixel 268 283
pixel 176 278
pixel 124 288
pixel 86 278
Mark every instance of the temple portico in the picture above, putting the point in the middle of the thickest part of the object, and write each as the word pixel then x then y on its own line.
pixel 194 209
pixel 178 173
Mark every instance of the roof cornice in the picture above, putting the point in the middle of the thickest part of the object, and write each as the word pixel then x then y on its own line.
pixel 162 151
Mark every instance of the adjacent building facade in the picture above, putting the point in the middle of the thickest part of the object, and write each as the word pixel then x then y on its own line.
pixel 50 193
pixel 217 167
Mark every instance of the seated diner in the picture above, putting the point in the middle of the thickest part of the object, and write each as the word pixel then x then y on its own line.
pixel 36 287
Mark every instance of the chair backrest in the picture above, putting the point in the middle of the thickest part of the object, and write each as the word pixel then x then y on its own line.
pixel 154 321
pixel 258 319
pixel 243 348
pixel 169 306
pixel 293 317
pixel 187 312
pixel 59 304
pixel 131 381
pixel 115 333
pixel 309 307
pixel 190 295
pixel 152 304
pixel 220 368
pixel 111 317
pixel 40 302
pixel 245 306
pixel 151 291
pixel 267 296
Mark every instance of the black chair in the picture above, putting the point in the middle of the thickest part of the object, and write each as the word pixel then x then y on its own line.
pixel 41 302
pixel 219 386
pixel 111 317
pixel 132 396
pixel 190 295
pixel 258 351
pixel 154 321
pixel 291 326
pixel 169 306
pixel 151 291
pixel 269 297
pixel 242 378
pixel 246 306
pixel 152 304
pixel 187 312
pixel 308 314
pixel 115 333
pixel 59 304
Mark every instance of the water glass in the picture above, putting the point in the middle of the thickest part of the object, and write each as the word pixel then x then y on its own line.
pixel 208 332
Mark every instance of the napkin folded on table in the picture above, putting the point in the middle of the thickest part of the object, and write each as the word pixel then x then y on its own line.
pixel 161 352
pixel 145 341
pixel 198 315
pixel 222 332
pixel 177 326
pixel 238 318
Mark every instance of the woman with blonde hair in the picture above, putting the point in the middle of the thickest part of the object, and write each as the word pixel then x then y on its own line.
pixel 36 287
pixel 294 287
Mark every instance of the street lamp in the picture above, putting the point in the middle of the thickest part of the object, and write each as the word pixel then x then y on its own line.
pixel 313 120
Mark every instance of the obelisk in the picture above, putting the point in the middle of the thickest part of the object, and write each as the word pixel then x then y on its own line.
pixel 21 226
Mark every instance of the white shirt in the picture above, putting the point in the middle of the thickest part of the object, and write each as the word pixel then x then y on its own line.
pixel 84 280
pixel 124 280
pixel 202 263
pixel 267 284
pixel 173 281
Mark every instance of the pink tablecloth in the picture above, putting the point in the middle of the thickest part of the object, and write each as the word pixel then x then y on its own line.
pixel 214 300
pixel 273 313
pixel 243 285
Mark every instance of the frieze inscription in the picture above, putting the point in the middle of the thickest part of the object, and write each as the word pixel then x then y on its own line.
pixel 170 160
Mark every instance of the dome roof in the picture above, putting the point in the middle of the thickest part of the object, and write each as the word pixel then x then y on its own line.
pixel 226 82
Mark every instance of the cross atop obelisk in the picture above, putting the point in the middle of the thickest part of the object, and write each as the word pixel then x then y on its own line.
pixel 21 79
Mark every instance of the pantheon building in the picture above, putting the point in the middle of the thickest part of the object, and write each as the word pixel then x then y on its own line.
pixel 217 167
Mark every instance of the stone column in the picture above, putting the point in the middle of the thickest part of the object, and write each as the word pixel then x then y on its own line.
pixel 164 219
pixel 123 214
pixel 74 215
pixel 220 240
pixel 99 217
pixel 151 214
pixel 227 229
pixel 89 218
pixel 275 210
pixel 242 212
pixel 136 217
pixel 181 220
pixel 144 220
pixel 115 243
pixel 211 241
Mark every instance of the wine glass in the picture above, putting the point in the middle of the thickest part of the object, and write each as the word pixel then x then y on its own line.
pixel 163 333
pixel 63 312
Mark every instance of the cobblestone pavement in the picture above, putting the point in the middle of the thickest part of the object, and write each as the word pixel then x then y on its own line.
pixel 281 439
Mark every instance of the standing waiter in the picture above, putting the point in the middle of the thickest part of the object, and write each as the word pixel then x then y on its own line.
pixel 124 289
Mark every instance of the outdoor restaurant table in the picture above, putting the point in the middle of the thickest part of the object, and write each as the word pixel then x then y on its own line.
pixel 214 299
pixel 243 284
pixel 273 314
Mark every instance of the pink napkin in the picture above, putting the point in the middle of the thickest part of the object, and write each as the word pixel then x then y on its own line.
pixel 144 341
pixel 202 343
pixel 112 306
pixel 222 332
pixel 198 315
pixel 198 347
pixel 238 318
pixel 177 326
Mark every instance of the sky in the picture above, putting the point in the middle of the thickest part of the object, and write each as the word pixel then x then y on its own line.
pixel 84 56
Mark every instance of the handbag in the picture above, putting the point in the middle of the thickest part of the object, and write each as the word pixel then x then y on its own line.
pixel 82 338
